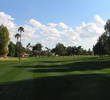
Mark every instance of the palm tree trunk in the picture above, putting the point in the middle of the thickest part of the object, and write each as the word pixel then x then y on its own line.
pixel 20 49
pixel 18 53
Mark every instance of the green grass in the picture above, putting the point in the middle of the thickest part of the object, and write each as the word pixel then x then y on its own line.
pixel 55 78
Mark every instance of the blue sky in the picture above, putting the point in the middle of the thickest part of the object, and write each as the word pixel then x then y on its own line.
pixel 70 12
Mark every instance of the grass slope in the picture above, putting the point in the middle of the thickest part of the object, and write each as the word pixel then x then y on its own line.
pixel 51 78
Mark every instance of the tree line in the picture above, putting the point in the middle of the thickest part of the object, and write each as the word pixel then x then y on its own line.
pixel 7 47
pixel 37 50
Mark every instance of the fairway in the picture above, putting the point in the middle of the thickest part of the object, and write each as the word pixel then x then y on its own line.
pixel 55 78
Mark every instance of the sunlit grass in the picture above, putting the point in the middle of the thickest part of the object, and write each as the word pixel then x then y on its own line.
pixel 35 67
pixel 50 78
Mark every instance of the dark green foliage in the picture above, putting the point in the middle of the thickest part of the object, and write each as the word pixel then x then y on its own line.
pixel 79 50
pixel 28 49
pixel 89 52
pixel 60 49
pixel 102 46
pixel 17 36
pixel 70 51
pixel 48 51
pixel 4 39
pixel 107 27
pixel 19 49
pixel 37 49
pixel 12 49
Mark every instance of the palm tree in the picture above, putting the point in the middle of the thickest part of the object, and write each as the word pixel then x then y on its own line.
pixel 28 45
pixel 17 36
pixel 48 51
pixel 20 29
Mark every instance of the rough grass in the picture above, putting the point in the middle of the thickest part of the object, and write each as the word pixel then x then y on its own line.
pixel 55 78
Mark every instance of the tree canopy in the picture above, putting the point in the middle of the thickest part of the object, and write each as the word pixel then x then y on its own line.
pixel 102 47
pixel 4 39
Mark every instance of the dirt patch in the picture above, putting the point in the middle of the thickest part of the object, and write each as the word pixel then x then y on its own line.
pixel 10 59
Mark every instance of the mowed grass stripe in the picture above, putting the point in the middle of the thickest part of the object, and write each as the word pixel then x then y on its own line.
pixel 13 70
pixel 10 75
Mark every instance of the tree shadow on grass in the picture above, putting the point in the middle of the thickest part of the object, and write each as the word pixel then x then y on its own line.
pixel 78 59
pixel 52 62
pixel 70 87
pixel 75 66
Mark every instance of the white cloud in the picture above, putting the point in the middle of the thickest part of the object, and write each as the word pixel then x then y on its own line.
pixel 99 20
pixel 62 25
pixel 36 24
pixel 8 21
pixel 89 32
pixel 53 33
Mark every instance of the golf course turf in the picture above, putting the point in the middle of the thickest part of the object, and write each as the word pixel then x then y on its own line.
pixel 55 78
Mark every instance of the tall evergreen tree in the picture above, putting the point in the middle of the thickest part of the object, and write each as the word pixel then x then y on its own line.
pixel 102 46
pixel 4 39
